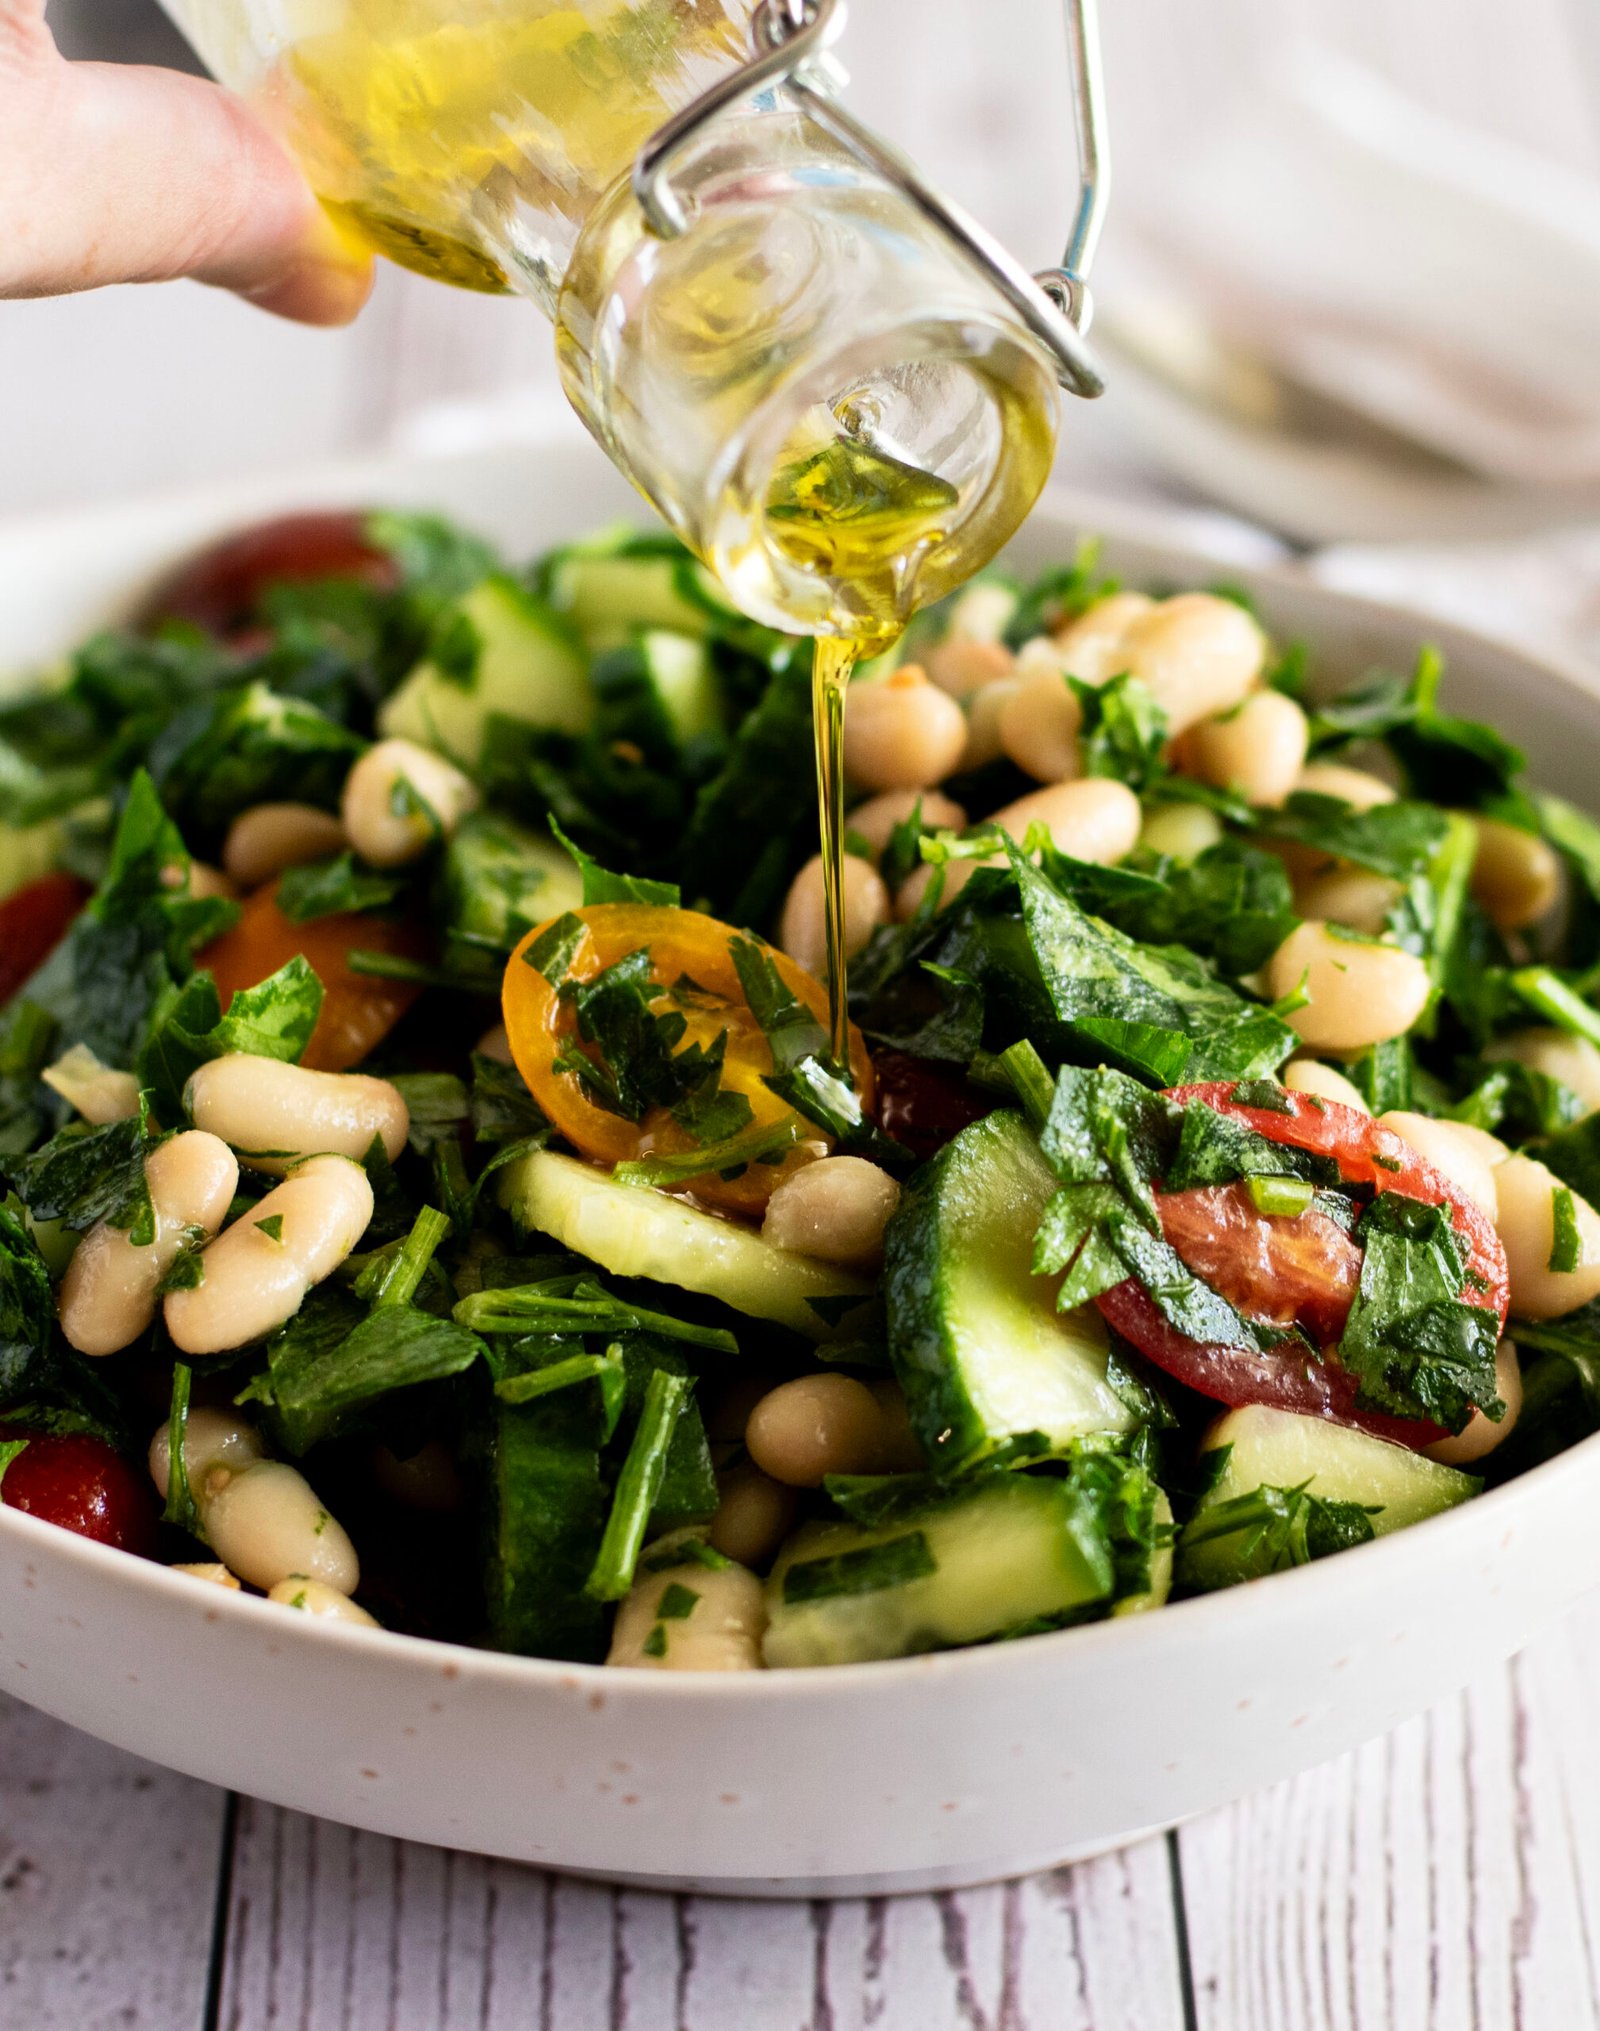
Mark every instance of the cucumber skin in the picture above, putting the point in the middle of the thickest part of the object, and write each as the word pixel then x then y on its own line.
pixel 547 1512
pixel 531 667
pixel 1019 1515
pixel 1356 1468
pixel 633 1230
pixel 918 1247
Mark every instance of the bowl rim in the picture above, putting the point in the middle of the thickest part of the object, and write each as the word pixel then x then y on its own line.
pixel 1141 1634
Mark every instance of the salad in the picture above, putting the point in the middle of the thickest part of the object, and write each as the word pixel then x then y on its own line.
pixel 427 1196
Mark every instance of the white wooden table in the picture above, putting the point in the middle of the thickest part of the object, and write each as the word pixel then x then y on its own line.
pixel 1444 1879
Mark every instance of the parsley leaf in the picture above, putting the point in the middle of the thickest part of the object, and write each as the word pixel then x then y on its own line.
pixel 83 1176
pixel 1416 1349
pixel 328 888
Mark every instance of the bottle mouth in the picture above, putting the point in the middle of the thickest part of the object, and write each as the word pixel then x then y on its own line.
pixel 881 475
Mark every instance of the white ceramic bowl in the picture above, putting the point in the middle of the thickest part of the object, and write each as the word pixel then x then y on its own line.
pixel 932 1772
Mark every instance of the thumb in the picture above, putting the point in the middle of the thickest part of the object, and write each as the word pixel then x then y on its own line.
pixel 118 173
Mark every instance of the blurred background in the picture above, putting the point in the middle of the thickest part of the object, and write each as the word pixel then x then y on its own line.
pixel 1351 286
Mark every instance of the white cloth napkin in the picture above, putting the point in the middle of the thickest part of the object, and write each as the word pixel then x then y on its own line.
pixel 1437 278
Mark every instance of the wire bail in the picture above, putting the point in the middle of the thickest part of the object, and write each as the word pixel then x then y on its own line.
pixel 791 44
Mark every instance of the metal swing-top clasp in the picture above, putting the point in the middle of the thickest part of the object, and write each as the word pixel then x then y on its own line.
pixel 791 41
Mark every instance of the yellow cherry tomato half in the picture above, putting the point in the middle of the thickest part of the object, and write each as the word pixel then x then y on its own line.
pixel 691 966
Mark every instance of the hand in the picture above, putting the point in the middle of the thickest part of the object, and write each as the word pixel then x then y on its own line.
pixel 119 173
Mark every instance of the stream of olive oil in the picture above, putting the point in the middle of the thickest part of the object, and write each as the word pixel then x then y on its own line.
pixel 854 514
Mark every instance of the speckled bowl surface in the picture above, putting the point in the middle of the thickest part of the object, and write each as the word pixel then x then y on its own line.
pixel 928 1773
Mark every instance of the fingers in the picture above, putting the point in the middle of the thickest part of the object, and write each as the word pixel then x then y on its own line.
pixel 115 173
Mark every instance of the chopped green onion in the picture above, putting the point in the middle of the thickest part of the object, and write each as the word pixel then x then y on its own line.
pixel 1288 1197
pixel 637 1487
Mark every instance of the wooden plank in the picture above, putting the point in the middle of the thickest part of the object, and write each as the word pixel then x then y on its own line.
pixel 107 1868
pixel 336 1931
pixel 1446 1877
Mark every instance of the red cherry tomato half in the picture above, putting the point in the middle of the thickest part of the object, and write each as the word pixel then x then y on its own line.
pixel 358 1009
pixel 925 1104
pixel 82 1484
pixel 1310 1276
pixel 33 922
pixel 220 589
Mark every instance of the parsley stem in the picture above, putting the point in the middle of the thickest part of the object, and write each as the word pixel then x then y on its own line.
pixel 539 1382
pixel 637 1487
pixel 530 1308
pixel 1547 992
pixel 181 1509
pixel 393 1276
pixel 1030 1081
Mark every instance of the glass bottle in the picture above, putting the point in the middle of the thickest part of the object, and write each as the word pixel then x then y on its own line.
pixel 827 398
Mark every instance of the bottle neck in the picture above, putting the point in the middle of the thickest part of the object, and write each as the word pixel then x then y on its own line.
pixel 817 389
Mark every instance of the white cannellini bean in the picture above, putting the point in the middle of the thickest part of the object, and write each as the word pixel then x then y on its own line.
pixel 208 883
pixel 1197 655
pixel 1091 646
pixel 721 1632
pixel 253 1282
pixel 1310 1075
pixel 1466 1155
pixel 1558 1055
pixel 983 724
pixel 495 1043
pixel 836 1209
pixel 961 666
pixel 212 1440
pixel 1526 1192
pixel 818 1425
pixel 982 612
pixel 1360 993
pixel 268 838
pixel 1092 819
pixel 1039 724
pixel 275 1114
pixel 322 1602
pixel 1258 749
pixel 1481 1435
pixel 1181 831
pixel 802 929
pixel 98 1092
pixel 901 732
pixel 1355 787
pixel 213 1575
pixel 1352 896
pixel 266 1524
pixel 107 1298
pixel 399 798
pixel 875 820
pixel 754 1515
pixel 1516 877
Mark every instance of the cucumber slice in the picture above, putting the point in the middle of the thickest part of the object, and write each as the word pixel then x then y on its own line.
pixel 619 581
pixel 632 1230
pixel 661 690
pixel 499 880
pixel 978 1345
pixel 1281 1449
pixel 968 1569
pixel 530 667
